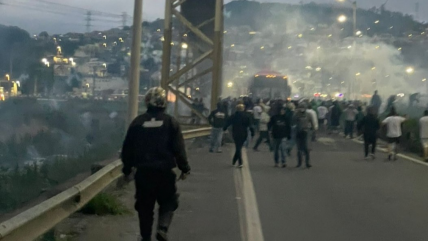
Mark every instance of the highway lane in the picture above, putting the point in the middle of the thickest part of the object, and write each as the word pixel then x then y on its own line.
pixel 343 197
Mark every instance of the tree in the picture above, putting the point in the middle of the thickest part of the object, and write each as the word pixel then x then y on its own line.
pixel 44 35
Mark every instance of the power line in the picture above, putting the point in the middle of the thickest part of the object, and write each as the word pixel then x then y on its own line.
pixel 94 12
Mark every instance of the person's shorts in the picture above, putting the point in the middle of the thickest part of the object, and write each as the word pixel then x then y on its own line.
pixel 394 140
pixel 424 142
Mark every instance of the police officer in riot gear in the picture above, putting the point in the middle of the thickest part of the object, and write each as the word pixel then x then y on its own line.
pixel 154 145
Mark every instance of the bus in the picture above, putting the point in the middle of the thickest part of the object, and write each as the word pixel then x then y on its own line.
pixel 268 84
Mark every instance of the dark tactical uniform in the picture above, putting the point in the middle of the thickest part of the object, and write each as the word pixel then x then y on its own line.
pixel 154 145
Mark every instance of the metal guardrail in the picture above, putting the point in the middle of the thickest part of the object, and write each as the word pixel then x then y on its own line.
pixel 39 219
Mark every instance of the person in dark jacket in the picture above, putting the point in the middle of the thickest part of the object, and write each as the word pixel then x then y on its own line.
pixel 370 125
pixel 217 119
pixel 303 122
pixel 241 123
pixel 280 126
pixel 154 145
pixel 335 114
pixel 376 102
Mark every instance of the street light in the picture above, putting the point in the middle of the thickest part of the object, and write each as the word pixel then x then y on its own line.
pixel 230 84
pixel 342 18
pixel 354 8
pixel 410 70
pixel 184 46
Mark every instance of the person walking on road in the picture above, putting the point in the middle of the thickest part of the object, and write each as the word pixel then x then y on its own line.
pixel 154 145
pixel 313 115
pixel 393 126
pixel 264 132
pixel 303 122
pixel 335 114
pixel 280 126
pixel 257 112
pixel 290 108
pixel 241 122
pixel 350 116
pixel 376 102
pixel 322 115
pixel 217 119
pixel 369 126
pixel 423 133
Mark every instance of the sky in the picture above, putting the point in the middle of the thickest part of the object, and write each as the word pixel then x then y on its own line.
pixel 29 14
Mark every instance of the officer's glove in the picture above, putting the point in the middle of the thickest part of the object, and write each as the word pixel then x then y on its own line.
pixel 184 176
pixel 125 180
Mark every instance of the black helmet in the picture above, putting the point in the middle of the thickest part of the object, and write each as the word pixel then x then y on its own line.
pixel 156 97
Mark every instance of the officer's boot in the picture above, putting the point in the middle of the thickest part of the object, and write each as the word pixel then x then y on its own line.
pixel 165 219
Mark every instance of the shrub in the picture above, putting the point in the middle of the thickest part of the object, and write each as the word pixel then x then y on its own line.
pixel 104 204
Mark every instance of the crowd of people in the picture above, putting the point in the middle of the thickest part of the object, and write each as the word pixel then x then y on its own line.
pixel 154 143
pixel 284 124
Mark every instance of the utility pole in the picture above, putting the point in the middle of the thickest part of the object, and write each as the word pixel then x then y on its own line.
pixel 417 11
pixel 134 77
pixel 94 81
pixel 354 47
pixel 124 19
pixel 11 63
pixel 88 21
pixel 35 86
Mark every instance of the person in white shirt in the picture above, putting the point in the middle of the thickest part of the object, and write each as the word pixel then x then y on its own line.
pixel 314 117
pixel 264 133
pixel 423 134
pixel 322 115
pixel 393 126
pixel 257 112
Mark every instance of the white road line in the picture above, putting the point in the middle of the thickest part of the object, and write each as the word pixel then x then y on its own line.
pixel 400 155
pixel 244 182
pixel 239 199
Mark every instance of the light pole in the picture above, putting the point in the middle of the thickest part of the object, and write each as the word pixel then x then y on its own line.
pixel 354 31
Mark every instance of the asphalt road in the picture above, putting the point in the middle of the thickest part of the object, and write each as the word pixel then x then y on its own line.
pixel 343 197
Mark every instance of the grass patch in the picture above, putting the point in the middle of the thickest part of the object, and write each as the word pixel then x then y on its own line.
pixel 104 204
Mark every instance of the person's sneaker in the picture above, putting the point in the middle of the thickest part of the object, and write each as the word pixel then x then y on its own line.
pixel 276 165
pixel 308 166
pixel 366 158
pixel 284 165
pixel 372 156
pixel 298 165
pixel 211 151
pixel 219 151
pixel 240 166
pixel 161 235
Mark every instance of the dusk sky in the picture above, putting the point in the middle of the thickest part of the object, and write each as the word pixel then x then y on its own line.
pixel 28 14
